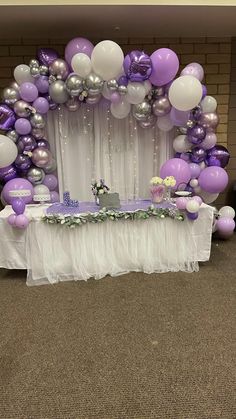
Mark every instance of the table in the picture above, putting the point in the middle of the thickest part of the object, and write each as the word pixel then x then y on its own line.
pixel 53 253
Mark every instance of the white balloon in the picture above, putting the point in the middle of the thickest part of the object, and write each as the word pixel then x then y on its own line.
pixel 106 92
pixel 147 86
pixel 22 74
pixel 202 165
pixel 185 93
pixel 207 197
pixel 181 144
pixel 164 123
pixel 135 93
pixel 227 211
pixel 197 190
pixel 107 59
pixel 81 64
pixel 192 206
pixel 121 109
pixel 193 183
pixel 8 151
pixel 209 104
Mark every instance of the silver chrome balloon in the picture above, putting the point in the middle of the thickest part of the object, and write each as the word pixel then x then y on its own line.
pixel 142 110
pixel 13 135
pixel 157 91
pixel 74 85
pixel 50 167
pixel 43 70
pixel 38 133
pixel 59 68
pixel 35 175
pixel 112 85
pixel 22 109
pixel 58 92
pixel 33 63
pixel 122 90
pixel 72 104
pixel 14 85
pixel 149 122
pixel 10 95
pixel 94 84
pixel 37 120
pixel 34 71
pixel 190 123
pixel 93 100
pixel 161 106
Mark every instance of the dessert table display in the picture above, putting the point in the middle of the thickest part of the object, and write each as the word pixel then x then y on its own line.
pixel 139 237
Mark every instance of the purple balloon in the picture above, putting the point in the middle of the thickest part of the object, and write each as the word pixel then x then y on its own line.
pixel 50 181
pixel 22 221
pixel 18 205
pixel 209 141
pixel 196 134
pixel 193 69
pixel 177 155
pixel 28 91
pixel 41 105
pixel 78 45
pixel 7 173
pixel 123 81
pixel 217 156
pixel 7 117
pixel 225 226
pixel 186 156
pixel 177 168
pixel 198 199
pixel 181 202
pixel 137 66
pixel 165 65
pixel 22 126
pixel 179 118
pixel 198 154
pixel 26 143
pixel 192 215
pixel 47 55
pixel 54 196
pixel 195 170
pixel 23 162
pixel 204 91
pixel 17 184
pixel 12 220
pixel 42 84
pixel 213 179
pixel 43 143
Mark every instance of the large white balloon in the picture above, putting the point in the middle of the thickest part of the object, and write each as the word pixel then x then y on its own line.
pixel 227 211
pixel 164 123
pixel 107 59
pixel 8 151
pixel 121 109
pixel 81 64
pixel 22 74
pixel 181 144
pixel 209 104
pixel 135 93
pixel 185 93
pixel 207 197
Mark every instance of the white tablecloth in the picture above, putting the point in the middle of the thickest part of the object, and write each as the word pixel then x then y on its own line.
pixel 52 253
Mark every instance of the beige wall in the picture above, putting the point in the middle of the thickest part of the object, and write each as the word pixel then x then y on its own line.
pixel 213 53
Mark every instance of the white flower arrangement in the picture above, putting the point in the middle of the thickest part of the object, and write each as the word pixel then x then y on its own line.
pixel 99 188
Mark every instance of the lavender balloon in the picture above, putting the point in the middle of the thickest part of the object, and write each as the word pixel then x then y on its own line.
pixel 177 168
pixel 22 126
pixel 213 179
pixel 225 226
pixel 165 65
pixel 78 45
pixel 28 91
pixel 196 134
pixel 198 154
pixel 26 143
pixel 23 162
pixel 54 196
pixel 17 185
pixel 42 84
pixel 22 221
pixel 195 170
pixel 50 181
pixel 18 205
pixel 7 117
pixel 193 69
pixel 7 173
pixel 186 156
pixel 46 56
pixel 137 66
pixel 217 156
pixel 41 105
pixel 179 118
pixel 204 91
pixel 11 219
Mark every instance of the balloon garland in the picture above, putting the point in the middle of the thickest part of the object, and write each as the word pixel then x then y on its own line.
pixel 138 83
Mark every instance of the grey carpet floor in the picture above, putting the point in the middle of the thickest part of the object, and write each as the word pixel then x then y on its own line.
pixel 136 346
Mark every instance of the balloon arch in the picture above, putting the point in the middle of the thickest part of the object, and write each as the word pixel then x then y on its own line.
pixel 138 83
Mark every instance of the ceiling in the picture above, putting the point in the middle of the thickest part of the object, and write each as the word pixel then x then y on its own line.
pixel 116 21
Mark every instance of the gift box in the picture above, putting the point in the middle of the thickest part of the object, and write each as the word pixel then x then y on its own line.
pixel 109 200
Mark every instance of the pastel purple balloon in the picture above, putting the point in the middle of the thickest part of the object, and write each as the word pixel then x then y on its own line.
pixel 7 117
pixel 22 126
pixel 165 65
pixel 209 141
pixel 115 97
pixel 42 84
pixel 196 134
pixel 193 69
pixel 177 168
pixel 137 66
pixel 18 184
pixel 7 173
pixel 54 196
pixel 26 143
pixel 198 199
pixel 186 156
pixel 181 203
pixel 11 219
pixel 213 179
pixel 47 55
pixel 18 205
pixel 195 170
pixel 43 143
pixel 78 45
pixel 179 118
pixel 198 154
pixel 225 226
pixel 192 215
pixel 217 156
pixel 28 91
pixel 23 162
pixel 41 105
pixel 123 81
pixel 50 181
pixel 204 91
pixel 22 221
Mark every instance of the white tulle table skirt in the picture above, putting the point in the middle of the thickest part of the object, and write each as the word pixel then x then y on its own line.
pixel 53 253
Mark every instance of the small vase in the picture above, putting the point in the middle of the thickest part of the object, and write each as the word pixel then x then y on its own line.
pixel 157 193
pixel 168 195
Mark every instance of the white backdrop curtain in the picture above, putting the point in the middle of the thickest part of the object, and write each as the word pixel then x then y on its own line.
pixel 91 144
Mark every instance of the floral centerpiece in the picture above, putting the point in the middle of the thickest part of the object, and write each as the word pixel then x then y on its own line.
pixel 161 187
pixel 99 188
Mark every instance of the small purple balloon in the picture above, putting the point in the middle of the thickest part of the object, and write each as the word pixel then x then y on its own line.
pixel 204 91
pixel 179 118
pixel 193 69
pixel 217 156
pixel 192 215
pixel 198 154
pixel 165 65
pixel 50 181
pixel 42 84
pixel 225 226
pixel 186 156
pixel 196 134
pixel 43 143
pixel 18 205
pixel 54 196
pixel 41 105
pixel 47 55
pixel 22 126
pixel 7 117
pixel 137 66
pixel 28 91
pixel 12 220
pixel 198 199
pixel 23 162
pixel 22 221
pixel 7 173
pixel 115 97
pixel 195 170
pixel 123 81
pixel 26 143
pixel 78 45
